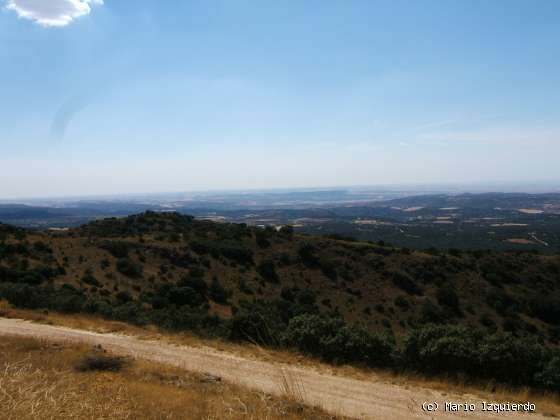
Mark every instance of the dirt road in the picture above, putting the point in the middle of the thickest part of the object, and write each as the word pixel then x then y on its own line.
pixel 338 395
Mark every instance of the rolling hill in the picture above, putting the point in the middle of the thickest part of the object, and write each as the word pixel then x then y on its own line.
pixel 481 313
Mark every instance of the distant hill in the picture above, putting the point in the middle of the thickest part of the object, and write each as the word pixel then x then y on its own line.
pixel 499 221
pixel 16 212
pixel 274 286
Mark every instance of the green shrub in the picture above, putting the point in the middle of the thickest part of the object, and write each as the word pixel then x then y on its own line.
pixel 306 252
pixel 403 281
pixel 217 292
pixel 196 283
pixel 185 296
pixel 402 302
pixel 117 249
pixel 89 278
pixel 262 237
pixel 431 313
pixel 123 297
pixel 549 375
pixel 129 268
pixel 474 353
pixel 328 267
pixel 267 270
pixel 257 322
pixel 448 296
pixel 547 308
pixel 333 340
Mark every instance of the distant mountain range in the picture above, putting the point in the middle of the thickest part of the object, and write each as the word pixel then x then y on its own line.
pixel 481 220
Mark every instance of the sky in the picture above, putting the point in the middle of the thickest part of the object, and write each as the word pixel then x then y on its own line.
pixel 112 96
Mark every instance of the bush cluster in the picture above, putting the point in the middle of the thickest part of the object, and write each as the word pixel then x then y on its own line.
pixel 294 321
pixel 333 340
pixel 470 352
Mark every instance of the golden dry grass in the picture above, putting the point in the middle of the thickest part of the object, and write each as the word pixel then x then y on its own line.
pixel 548 402
pixel 38 380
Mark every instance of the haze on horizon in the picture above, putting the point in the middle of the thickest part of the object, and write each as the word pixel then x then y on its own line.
pixel 107 97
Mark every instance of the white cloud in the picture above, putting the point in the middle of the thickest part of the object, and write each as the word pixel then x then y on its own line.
pixel 52 12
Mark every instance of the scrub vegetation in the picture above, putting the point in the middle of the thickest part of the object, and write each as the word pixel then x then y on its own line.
pixel 480 314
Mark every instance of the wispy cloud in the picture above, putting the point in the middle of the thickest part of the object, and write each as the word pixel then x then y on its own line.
pixel 503 135
pixel 52 12
pixel 432 125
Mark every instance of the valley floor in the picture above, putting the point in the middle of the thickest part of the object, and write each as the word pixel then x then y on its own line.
pixel 337 395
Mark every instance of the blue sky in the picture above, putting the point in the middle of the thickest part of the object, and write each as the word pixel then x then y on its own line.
pixel 113 96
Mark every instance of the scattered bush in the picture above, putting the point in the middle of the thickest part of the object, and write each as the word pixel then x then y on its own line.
pixel 402 302
pixel 306 253
pixel 333 340
pixel 217 292
pixel 257 322
pixel 403 281
pixel 129 268
pixel 448 296
pixel 117 249
pixel 267 270
pixel 89 278
pixel 185 296
pixel 547 309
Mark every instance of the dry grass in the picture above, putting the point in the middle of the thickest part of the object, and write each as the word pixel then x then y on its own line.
pixel 547 402
pixel 38 381
pixel 4 307
pixel 291 386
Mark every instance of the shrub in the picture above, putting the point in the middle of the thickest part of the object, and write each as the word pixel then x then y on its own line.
pixel 40 246
pixel 123 297
pixel 196 283
pixel 549 375
pixel 217 292
pixel 448 297
pixel 287 231
pixel 355 344
pixel 100 362
pixel 245 288
pixel 403 281
pixel 547 309
pixel 307 332
pixel 430 313
pixel 436 349
pixel 287 294
pixel 185 296
pixel 333 340
pixel 402 302
pixel 267 270
pixel 129 268
pixel 257 322
pixel 306 253
pixel 117 249
pixel 306 297
pixel 236 252
pixel 89 278
pixel 474 353
pixel 500 300
pixel 261 237
pixel 328 268
pixel 487 321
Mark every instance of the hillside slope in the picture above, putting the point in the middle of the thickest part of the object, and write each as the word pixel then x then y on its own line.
pixel 272 286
